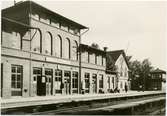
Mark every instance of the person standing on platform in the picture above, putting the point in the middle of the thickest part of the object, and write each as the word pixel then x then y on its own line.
pixel 126 88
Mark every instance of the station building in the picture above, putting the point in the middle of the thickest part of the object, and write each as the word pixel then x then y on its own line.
pixel 39 52
pixel 42 55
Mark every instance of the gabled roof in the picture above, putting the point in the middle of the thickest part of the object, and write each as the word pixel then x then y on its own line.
pixel 41 8
pixel 115 55
pixel 158 71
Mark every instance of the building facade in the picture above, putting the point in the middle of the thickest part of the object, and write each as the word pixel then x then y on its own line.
pixel 42 55
pixel 157 80
pixel 39 52
pixel 93 76
pixel 117 62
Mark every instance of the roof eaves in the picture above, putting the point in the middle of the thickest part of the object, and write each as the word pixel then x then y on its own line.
pixel 63 17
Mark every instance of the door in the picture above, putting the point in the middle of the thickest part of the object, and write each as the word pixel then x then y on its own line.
pixel 94 83
pixel 41 85
pixel 38 83
pixel 48 74
pixel 109 84
pixel 67 82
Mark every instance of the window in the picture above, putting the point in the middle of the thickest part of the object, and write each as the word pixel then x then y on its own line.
pixel 48 43
pixel 75 50
pixel 58 46
pixel 36 41
pixel 44 18
pixel 67 74
pixel 121 85
pixel 55 23
pixel 37 71
pixel 121 73
pixel 87 82
pixel 92 58
pixel 64 27
pixel 94 83
pixel 16 80
pixel 100 81
pixel 67 48
pixel 49 75
pixel 75 82
pixel 109 82
pixel 103 61
pixel 11 40
pixel 99 60
pixel 35 16
pixel 74 30
pixel 71 30
pixel 84 56
pixel 58 81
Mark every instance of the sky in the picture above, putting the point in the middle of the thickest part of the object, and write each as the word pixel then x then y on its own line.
pixel 138 27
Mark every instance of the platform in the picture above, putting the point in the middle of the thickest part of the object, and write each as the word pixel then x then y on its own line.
pixel 45 100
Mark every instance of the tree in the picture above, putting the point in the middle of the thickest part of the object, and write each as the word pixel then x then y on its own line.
pixel 139 72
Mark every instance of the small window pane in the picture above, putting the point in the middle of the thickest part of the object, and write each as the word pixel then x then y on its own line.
pixel 18 77
pixel 13 69
pixel 13 77
pixel 13 84
pixel 18 69
pixel 18 85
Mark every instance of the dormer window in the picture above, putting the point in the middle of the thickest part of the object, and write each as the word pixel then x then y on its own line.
pixel 64 27
pixel 43 18
pixel 76 31
pixel 71 30
pixel 55 23
pixel 35 16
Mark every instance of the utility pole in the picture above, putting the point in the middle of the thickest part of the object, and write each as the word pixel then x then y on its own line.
pixel 14 2
pixel 79 51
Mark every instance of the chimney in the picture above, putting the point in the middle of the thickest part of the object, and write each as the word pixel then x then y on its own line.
pixel 105 48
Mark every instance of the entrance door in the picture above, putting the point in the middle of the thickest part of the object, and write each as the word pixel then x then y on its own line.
pixel 48 74
pixel 41 85
pixel 94 83
pixel 67 82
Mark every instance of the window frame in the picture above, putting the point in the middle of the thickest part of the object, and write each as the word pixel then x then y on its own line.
pixel 51 44
pixel 75 83
pixel 15 82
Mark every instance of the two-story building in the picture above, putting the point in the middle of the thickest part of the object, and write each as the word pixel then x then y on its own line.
pixel 157 80
pixel 117 62
pixel 93 63
pixel 39 52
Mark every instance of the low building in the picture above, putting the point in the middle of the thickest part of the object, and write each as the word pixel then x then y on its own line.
pixel 93 63
pixel 116 61
pixel 157 80
pixel 112 81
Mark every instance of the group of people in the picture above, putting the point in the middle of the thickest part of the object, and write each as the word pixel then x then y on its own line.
pixel 116 90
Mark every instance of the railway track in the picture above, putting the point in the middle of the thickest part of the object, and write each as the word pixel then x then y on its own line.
pixel 79 108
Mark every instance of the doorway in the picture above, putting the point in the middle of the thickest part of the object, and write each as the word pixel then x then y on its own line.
pixel 41 85
pixel 67 82
pixel 49 81
pixel 94 83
